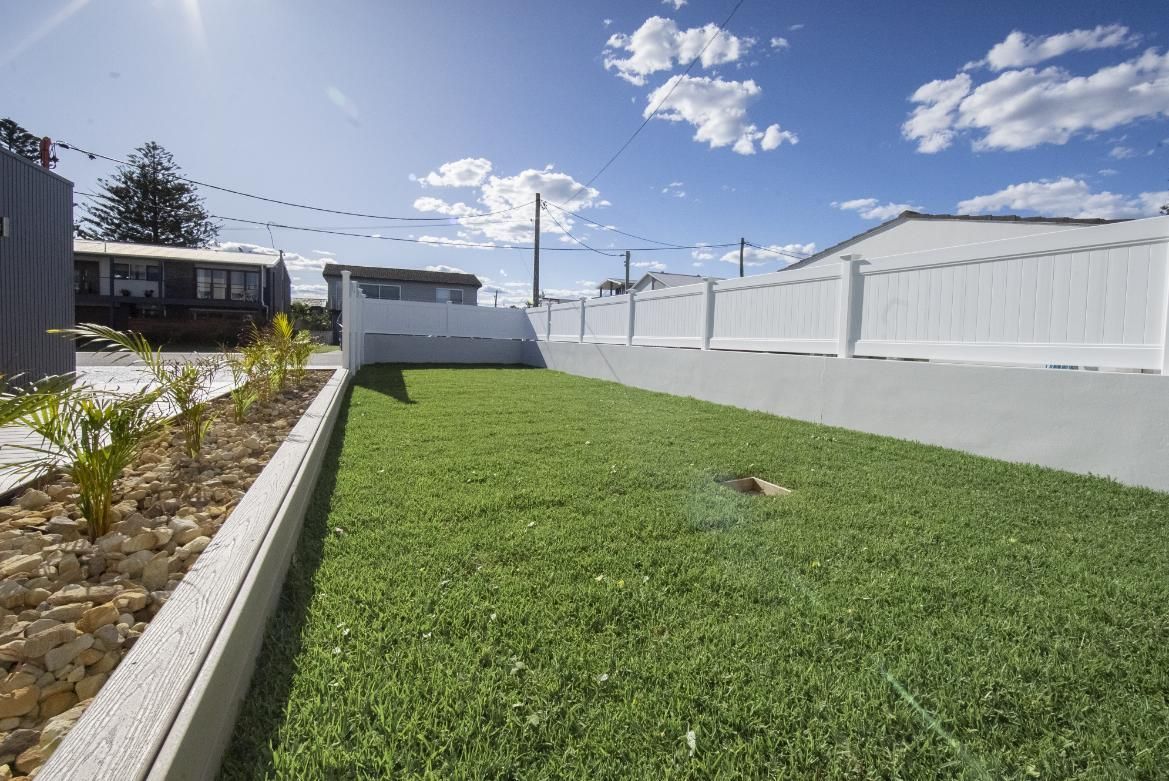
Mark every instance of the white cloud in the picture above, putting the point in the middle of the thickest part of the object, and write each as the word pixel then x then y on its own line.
pixel 447 241
pixel 783 254
pixel 446 269
pixel 1021 109
pixel 701 255
pixel 780 43
pixel 659 44
pixel 872 209
pixel 429 204
pixel 499 193
pixel 718 111
pixel 606 22
pixel 676 3
pixel 1065 197
pixel 292 261
pixel 1019 50
pixel 324 252
pixel 795 27
pixel 1122 152
pixel 310 290
pixel 649 265
pixel 674 189
pixel 468 172
pixel 1108 172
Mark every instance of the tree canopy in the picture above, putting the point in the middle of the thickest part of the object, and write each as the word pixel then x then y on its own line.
pixel 149 202
pixel 19 141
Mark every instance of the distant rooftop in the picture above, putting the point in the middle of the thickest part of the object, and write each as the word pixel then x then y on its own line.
pixel 906 216
pixel 124 249
pixel 402 274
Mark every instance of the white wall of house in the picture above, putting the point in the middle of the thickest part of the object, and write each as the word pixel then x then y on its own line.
pixel 918 235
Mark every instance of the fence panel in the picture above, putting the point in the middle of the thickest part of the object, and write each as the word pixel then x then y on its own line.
pixel 538 321
pixel 565 322
pixel 416 318
pixel 785 311
pixel 1084 297
pixel 670 318
pixel 607 320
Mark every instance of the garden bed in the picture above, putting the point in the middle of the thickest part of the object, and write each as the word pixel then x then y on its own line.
pixel 71 609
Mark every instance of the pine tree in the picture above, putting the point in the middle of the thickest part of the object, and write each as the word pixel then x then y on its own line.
pixel 148 202
pixel 19 141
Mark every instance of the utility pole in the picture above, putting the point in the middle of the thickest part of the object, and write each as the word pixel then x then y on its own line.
pixel 742 246
pixel 536 258
pixel 497 299
pixel 626 271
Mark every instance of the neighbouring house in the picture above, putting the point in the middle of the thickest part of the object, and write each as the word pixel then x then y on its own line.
pixel 403 284
pixel 656 280
pixel 916 232
pixel 613 287
pixel 36 269
pixel 177 294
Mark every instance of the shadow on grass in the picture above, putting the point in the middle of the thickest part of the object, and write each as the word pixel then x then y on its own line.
pixel 262 712
pixel 388 379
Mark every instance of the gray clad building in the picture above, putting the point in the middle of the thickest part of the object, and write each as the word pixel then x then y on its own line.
pixel 36 269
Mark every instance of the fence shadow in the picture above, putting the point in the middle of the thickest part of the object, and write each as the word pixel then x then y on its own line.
pixel 261 714
pixel 386 379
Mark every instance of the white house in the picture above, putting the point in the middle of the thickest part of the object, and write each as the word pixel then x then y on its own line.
pixel 916 232
pixel 656 280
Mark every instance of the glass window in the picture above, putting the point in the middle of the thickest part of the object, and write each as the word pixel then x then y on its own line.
pixel 245 286
pixel 137 271
pixel 448 296
pixel 210 283
pixel 383 292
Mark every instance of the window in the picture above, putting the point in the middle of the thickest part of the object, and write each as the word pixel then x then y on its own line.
pixel 210 283
pixel 448 296
pixel 245 286
pixel 383 292
pixel 137 271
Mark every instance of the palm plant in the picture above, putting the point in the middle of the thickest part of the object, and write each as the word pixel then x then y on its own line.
pixel 186 385
pixel 93 437
pixel 243 393
pixel 16 402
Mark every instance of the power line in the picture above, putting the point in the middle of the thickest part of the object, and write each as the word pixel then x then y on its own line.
pixel 615 230
pixel 658 107
pixel 784 253
pixel 94 155
pixel 567 233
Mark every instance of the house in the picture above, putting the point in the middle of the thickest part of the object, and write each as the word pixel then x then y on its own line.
pixel 403 284
pixel 656 280
pixel 173 293
pixel 916 232
pixel 36 266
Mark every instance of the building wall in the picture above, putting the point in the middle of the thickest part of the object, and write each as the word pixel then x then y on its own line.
pixel 918 235
pixel 1116 425
pixel 392 348
pixel 36 269
pixel 411 291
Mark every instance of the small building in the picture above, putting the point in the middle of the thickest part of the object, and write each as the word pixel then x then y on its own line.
pixel 36 269
pixel 177 294
pixel 916 232
pixel 657 280
pixel 403 284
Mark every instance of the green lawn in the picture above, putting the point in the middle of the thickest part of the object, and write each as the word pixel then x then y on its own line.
pixel 514 573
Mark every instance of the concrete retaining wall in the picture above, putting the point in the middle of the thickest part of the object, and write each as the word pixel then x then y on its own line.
pixel 1089 422
pixel 387 348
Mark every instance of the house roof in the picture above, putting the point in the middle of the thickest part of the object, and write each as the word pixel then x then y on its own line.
pixel 906 216
pixel 123 249
pixel 677 280
pixel 402 274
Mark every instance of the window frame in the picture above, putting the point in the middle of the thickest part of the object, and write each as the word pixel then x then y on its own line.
pixel 448 291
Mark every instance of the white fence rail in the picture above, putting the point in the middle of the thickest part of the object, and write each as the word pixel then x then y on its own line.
pixel 1095 296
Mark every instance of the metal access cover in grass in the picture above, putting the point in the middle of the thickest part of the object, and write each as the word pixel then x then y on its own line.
pixel 528 582
pixel 755 486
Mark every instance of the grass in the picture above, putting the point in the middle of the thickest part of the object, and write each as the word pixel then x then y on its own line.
pixel 514 573
pixel 326 348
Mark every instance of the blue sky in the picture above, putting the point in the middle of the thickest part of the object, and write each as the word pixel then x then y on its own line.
pixel 806 122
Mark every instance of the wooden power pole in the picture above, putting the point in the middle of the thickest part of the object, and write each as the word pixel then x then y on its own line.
pixel 536 258
pixel 742 246
pixel 626 271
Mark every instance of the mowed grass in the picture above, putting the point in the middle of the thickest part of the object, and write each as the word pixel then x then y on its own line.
pixel 515 573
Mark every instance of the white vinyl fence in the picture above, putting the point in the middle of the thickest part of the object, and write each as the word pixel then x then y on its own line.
pixel 1086 297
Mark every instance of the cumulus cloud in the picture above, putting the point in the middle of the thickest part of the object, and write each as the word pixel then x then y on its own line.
pixel 780 43
pixel 718 111
pixel 649 265
pixel 783 254
pixel 446 269
pixel 1065 197
pixel 659 44
pixel 324 252
pixel 872 209
pixel 1021 109
pixel 309 290
pixel 500 193
pixel 1018 50
pixel 468 172
pixel 676 3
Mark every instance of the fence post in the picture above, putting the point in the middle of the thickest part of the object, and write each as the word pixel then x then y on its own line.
pixel 707 312
pixel 548 322
pixel 847 315
pixel 1165 330
pixel 346 311
pixel 582 321
pixel 629 326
